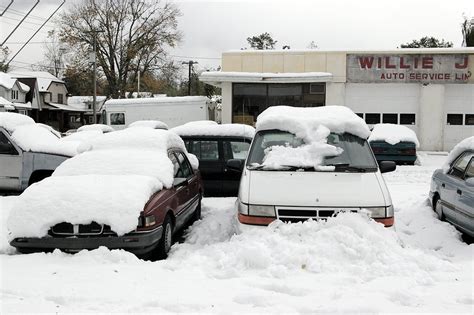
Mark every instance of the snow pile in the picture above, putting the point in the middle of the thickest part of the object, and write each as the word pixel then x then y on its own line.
pixel 82 136
pixel 100 127
pixel 393 134
pixel 10 121
pixel 206 128
pixel 134 138
pixel 144 162
pixel 50 129
pixel 6 204
pixel 307 155
pixel 305 121
pixel 154 124
pixel 109 183
pixel 313 125
pixel 115 200
pixel 466 144
pixel 193 160
pixel 31 137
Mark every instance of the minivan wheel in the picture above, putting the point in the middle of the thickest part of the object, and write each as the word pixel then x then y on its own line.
pixel 166 240
pixel 439 209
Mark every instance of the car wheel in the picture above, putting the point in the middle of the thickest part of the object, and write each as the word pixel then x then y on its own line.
pixel 439 209
pixel 166 240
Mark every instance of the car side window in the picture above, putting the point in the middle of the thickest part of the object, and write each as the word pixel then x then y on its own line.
pixel 177 173
pixel 185 167
pixel 459 166
pixel 470 170
pixel 236 150
pixel 6 147
pixel 208 150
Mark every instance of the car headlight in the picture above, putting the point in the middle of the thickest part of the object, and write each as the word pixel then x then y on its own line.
pixel 380 212
pixel 262 211
pixel 149 220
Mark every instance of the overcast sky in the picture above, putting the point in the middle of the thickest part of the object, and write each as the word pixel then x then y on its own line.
pixel 211 27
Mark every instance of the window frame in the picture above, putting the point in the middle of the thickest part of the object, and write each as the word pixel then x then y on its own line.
pixel 15 150
pixel 462 173
pixel 407 114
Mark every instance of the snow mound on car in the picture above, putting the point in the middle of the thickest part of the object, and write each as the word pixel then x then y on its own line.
pixel 35 138
pixel 393 134
pixel 154 124
pixel 107 199
pixel 208 128
pixel 83 135
pixel 304 122
pixel 10 121
pixel 100 127
pixel 466 144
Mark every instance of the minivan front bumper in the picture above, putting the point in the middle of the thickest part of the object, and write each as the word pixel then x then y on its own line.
pixel 139 243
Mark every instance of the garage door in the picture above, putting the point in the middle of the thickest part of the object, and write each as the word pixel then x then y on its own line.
pixel 459 108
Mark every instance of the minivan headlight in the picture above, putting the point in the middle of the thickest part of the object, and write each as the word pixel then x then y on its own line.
pixel 262 211
pixel 380 212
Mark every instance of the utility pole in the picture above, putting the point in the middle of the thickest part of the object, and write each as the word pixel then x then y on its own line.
pixel 190 64
pixel 94 60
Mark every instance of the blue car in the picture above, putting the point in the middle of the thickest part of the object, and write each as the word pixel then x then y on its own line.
pixel 452 193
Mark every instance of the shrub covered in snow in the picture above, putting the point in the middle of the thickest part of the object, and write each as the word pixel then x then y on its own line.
pixel 393 134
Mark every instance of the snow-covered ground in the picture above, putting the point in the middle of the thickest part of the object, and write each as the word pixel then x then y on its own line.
pixel 347 264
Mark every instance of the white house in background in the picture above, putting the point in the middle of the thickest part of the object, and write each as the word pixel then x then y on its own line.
pixel 431 91
pixel 85 103
pixel 13 94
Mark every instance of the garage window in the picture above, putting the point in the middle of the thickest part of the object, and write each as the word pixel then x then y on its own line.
pixel 469 119
pixel 407 119
pixel 390 118
pixel 372 119
pixel 454 119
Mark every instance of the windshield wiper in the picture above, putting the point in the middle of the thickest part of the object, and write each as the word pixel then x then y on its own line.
pixel 348 168
pixel 255 167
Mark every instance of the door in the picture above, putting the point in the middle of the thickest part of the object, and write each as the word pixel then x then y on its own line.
pixel 233 149
pixel 211 163
pixel 452 188
pixel 465 200
pixel 10 164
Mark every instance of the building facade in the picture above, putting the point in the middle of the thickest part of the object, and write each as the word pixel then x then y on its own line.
pixel 429 90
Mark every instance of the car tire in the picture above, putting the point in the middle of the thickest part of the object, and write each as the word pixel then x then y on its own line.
pixel 164 245
pixel 438 208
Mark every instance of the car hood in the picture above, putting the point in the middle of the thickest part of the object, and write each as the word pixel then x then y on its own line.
pixel 115 200
pixel 315 189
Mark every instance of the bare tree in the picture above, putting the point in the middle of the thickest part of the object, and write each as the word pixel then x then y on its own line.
pixel 131 36
pixel 54 52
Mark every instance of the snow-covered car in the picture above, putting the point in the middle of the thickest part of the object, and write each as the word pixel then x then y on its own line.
pixel 154 124
pixel 214 144
pixel 130 189
pixel 452 188
pixel 100 127
pixel 311 163
pixel 391 142
pixel 29 152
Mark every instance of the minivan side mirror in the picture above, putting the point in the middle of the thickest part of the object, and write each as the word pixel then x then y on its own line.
pixel 387 166
pixel 236 165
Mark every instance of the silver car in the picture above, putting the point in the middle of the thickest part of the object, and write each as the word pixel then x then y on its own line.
pixel 452 193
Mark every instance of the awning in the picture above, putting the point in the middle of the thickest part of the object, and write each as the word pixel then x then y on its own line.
pixel 63 107
pixel 217 77
pixel 22 105
pixel 4 101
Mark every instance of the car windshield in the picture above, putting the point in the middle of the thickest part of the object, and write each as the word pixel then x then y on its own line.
pixel 356 155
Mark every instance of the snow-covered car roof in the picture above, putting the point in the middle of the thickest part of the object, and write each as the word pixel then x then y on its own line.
pixel 38 138
pixel 393 134
pixel 10 121
pixel 154 124
pixel 110 182
pixel 211 128
pixel 464 145
pixel 305 121
pixel 100 127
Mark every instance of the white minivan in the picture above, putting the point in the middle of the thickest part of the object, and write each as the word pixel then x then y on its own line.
pixel 311 163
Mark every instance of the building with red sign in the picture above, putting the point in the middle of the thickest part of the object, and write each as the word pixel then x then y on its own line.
pixel 429 90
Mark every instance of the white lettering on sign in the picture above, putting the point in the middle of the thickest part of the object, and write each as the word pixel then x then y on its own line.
pixel 441 68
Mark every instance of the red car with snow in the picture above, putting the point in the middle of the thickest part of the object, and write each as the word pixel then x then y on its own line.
pixel 130 189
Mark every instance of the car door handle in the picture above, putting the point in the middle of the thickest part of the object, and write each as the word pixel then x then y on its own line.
pixel 443 185
pixel 459 192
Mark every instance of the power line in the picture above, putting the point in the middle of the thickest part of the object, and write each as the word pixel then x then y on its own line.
pixel 17 12
pixel 14 19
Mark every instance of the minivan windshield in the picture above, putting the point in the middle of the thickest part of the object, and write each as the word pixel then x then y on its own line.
pixel 355 157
